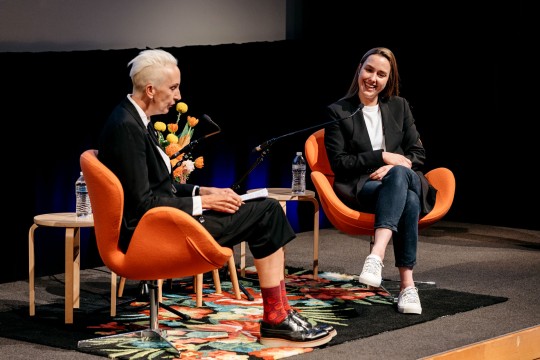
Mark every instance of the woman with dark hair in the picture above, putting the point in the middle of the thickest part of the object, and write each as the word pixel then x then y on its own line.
pixel 377 158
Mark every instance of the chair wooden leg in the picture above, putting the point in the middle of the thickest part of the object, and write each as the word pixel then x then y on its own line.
pixel 243 259
pixel 217 280
pixel 198 289
pixel 198 282
pixel 160 290
pixel 234 278
pixel 121 286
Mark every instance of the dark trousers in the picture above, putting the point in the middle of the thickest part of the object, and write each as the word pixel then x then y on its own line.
pixel 395 200
pixel 262 223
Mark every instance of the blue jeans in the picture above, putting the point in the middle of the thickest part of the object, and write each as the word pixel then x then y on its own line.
pixel 395 200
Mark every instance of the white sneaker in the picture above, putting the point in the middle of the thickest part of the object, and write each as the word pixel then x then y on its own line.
pixel 372 271
pixel 409 301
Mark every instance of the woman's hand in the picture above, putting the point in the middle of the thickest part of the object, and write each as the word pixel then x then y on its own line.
pixel 396 159
pixel 380 172
pixel 391 159
pixel 220 199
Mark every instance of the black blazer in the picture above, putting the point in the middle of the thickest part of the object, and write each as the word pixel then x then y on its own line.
pixel 127 149
pixel 352 157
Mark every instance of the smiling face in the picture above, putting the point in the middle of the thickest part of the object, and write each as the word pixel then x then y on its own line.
pixel 372 78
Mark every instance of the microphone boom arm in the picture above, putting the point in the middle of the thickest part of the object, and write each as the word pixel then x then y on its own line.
pixel 265 146
pixel 269 143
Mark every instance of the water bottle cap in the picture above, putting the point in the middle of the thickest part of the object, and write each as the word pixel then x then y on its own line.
pixel 299 153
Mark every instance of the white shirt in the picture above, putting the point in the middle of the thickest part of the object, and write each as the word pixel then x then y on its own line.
pixel 373 120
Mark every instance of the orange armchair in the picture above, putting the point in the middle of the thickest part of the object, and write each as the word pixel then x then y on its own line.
pixel 355 222
pixel 167 243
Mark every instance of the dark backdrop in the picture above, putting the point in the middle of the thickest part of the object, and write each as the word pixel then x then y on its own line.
pixel 457 74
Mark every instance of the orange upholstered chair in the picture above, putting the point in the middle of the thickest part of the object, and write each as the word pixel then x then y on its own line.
pixel 355 222
pixel 167 243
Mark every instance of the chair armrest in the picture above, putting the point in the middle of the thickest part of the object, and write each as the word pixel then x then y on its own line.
pixel 340 215
pixel 444 181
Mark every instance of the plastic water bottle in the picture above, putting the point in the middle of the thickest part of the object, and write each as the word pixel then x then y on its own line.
pixel 82 204
pixel 298 174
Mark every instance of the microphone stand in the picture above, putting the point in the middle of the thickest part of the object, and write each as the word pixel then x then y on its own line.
pixel 236 185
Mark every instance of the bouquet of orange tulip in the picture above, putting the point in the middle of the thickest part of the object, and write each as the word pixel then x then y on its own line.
pixel 172 144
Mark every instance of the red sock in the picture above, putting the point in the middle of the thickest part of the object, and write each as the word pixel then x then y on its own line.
pixel 284 299
pixel 273 311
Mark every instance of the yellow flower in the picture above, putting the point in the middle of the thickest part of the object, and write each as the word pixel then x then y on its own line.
pixel 160 126
pixel 181 107
pixel 172 139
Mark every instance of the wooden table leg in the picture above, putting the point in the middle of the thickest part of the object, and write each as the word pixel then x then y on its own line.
pixel 315 238
pixel 284 207
pixel 31 271
pixel 72 272
pixel 77 269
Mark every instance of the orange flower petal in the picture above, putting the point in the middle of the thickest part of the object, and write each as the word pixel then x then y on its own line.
pixel 172 148
pixel 192 121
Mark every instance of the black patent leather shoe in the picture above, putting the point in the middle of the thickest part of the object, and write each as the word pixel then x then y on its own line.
pixel 289 333
pixel 305 323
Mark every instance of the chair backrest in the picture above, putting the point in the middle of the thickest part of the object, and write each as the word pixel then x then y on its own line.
pixel 167 242
pixel 355 222
pixel 316 155
pixel 107 199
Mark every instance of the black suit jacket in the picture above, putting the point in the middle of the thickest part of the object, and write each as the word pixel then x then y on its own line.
pixel 352 157
pixel 127 149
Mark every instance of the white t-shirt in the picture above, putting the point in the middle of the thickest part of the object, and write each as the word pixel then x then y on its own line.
pixel 373 119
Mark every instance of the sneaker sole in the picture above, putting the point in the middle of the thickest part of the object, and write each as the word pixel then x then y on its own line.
pixel 370 282
pixel 278 342
pixel 410 310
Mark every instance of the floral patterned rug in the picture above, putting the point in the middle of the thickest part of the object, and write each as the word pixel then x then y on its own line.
pixel 226 328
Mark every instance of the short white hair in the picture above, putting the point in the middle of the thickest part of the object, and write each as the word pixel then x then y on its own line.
pixel 144 66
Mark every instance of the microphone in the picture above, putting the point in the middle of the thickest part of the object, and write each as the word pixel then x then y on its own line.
pixel 265 145
pixel 207 118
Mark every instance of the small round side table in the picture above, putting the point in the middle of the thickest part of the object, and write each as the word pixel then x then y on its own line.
pixel 73 224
